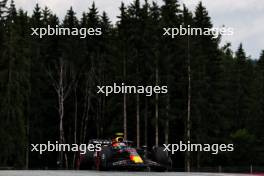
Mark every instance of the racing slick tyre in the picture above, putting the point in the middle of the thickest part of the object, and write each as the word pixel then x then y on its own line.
pixel 87 161
pixel 162 157
pixel 105 158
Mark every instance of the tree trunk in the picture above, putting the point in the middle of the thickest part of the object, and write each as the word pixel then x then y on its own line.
pixel 198 160
pixel 62 88
pixel 125 117
pixel 98 117
pixel 75 124
pixel 61 108
pixel 86 117
pixel 138 123
pixel 188 121
pixel 125 102
pixel 157 109
pixel 146 122
pixel 103 115
pixel 167 126
pixel 27 134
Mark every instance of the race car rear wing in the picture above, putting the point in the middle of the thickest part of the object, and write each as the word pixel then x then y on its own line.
pixel 103 142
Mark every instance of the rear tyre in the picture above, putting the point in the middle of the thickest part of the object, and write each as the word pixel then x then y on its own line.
pixel 162 157
pixel 87 161
pixel 105 158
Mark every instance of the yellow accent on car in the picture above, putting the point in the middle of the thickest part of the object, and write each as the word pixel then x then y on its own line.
pixel 136 159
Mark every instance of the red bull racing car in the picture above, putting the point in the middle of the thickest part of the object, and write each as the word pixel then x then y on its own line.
pixel 120 154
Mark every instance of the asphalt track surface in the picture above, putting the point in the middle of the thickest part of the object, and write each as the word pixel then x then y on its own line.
pixel 95 173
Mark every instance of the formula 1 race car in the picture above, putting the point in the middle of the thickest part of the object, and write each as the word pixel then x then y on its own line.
pixel 121 155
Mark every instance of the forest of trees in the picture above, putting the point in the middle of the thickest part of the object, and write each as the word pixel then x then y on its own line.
pixel 48 86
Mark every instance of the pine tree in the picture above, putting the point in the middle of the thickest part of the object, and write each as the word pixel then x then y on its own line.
pixel 187 20
pixel 242 85
pixel 37 16
pixel 122 35
pixel 14 89
pixel 3 8
pixel 206 99
pixel 46 13
pixel 155 54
